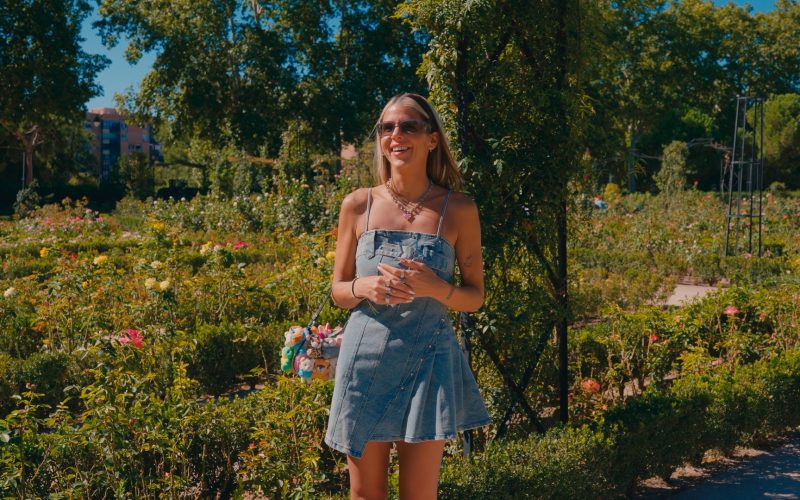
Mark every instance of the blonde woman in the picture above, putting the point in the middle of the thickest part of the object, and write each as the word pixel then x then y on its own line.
pixel 401 377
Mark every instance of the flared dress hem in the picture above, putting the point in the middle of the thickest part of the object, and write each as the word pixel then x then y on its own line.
pixel 450 435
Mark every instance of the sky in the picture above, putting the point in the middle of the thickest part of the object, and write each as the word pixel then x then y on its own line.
pixel 120 75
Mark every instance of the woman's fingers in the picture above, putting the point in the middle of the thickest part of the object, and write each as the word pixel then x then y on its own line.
pixel 394 286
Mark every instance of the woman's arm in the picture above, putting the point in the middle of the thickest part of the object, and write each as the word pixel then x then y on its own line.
pixel 469 296
pixel 344 265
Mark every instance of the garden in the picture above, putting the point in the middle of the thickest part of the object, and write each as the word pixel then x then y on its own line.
pixel 147 299
pixel 140 351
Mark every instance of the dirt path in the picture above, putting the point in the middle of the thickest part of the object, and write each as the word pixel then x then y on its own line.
pixel 687 293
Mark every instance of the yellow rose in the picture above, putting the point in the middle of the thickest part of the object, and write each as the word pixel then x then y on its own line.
pixel 150 283
pixel 165 285
pixel 330 255
pixel 43 252
pixel 100 260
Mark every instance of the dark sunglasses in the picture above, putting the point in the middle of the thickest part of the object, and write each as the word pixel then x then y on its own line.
pixel 409 127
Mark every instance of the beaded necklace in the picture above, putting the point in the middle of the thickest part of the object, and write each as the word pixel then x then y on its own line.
pixel 409 209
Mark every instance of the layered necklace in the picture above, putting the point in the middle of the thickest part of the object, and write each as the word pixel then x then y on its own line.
pixel 409 209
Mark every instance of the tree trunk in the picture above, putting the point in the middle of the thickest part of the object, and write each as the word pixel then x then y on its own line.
pixel 28 145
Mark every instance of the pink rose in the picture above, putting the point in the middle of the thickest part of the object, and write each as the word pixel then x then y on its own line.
pixel 731 311
pixel 590 385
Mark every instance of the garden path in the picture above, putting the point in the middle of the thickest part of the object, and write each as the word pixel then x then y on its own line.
pixel 687 293
pixel 772 474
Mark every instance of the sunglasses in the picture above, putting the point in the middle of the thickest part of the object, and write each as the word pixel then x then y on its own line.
pixel 409 127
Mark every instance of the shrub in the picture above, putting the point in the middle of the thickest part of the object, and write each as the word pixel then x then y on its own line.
pixel 27 201
pixel 671 178
pixel 223 353
pixel 563 463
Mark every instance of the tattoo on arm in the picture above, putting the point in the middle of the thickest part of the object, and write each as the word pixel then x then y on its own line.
pixel 452 289
pixel 468 261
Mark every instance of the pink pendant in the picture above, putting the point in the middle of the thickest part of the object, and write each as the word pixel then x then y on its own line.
pixel 407 215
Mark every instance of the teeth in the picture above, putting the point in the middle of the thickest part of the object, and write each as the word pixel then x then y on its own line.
pixel 400 148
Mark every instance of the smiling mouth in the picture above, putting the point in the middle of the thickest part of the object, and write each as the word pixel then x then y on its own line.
pixel 400 149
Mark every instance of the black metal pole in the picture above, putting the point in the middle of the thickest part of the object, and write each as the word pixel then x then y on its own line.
pixel 760 175
pixel 750 165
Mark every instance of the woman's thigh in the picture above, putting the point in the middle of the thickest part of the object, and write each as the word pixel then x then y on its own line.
pixel 419 468
pixel 369 475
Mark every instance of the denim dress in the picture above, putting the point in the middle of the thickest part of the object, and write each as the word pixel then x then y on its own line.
pixel 401 374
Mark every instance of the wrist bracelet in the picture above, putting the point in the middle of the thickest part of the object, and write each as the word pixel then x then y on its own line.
pixel 353 289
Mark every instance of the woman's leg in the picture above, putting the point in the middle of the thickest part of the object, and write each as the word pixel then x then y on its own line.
pixel 419 468
pixel 369 475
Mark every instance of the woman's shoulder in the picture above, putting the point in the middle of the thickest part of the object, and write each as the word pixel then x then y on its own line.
pixel 461 203
pixel 355 201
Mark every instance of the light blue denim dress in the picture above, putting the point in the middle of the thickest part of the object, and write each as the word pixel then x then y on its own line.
pixel 401 374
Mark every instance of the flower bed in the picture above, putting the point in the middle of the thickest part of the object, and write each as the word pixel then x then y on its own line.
pixel 120 333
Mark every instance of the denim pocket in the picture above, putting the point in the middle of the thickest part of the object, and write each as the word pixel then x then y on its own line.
pixel 366 245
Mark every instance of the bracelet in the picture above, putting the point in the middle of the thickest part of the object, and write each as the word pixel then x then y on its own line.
pixel 353 289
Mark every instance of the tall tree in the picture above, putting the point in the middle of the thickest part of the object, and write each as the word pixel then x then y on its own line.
pixel 237 73
pixel 220 72
pixel 46 76
pixel 668 70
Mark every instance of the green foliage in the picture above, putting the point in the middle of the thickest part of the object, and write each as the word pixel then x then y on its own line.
pixel 666 71
pixel 136 173
pixel 781 139
pixel 223 352
pixel 47 79
pixel 646 436
pixel 28 200
pixel 285 457
pixel 239 74
pixel 671 178
pixel 564 463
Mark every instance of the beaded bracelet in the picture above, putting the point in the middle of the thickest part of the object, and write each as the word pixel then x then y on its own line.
pixel 353 289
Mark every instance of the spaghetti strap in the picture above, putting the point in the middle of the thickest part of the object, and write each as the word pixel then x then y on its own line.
pixel 441 217
pixel 369 202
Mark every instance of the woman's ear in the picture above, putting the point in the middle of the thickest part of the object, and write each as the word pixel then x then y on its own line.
pixel 434 141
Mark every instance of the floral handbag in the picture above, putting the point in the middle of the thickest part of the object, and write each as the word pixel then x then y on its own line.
pixel 311 352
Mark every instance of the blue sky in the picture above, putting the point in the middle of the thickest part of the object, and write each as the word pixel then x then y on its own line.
pixel 121 75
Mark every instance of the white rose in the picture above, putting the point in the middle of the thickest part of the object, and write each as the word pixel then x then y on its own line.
pixel 10 292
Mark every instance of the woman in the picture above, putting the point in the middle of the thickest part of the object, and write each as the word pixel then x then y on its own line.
pixel 401 377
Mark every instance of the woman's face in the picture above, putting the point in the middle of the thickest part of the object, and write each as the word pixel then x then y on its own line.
pixel 402 148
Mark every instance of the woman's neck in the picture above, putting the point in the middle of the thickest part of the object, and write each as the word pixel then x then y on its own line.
pixel 410 187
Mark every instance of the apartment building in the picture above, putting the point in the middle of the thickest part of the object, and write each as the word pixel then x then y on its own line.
pixel 114 138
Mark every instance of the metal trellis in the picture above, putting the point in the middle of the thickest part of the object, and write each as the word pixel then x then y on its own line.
pixel 745 177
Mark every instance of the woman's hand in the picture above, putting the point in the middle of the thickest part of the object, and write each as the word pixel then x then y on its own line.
pixel 385 289
pixel 418 277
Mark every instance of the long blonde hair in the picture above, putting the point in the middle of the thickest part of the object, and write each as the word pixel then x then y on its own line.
pixel 440 167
